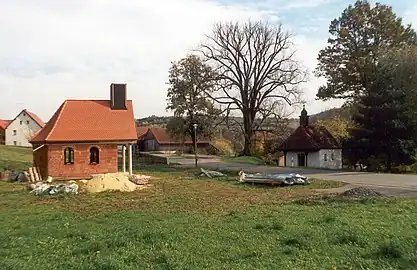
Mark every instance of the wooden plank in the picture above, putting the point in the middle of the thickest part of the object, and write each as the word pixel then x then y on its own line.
pixel 35 173
pixel 38 171
pixel 31 175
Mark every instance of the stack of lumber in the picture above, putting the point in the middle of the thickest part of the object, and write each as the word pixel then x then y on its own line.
pixel 34 174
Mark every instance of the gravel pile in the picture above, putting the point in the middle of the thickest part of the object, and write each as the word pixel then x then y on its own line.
pixel 361 192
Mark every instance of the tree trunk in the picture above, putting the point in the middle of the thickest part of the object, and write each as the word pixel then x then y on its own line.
pixel 247 124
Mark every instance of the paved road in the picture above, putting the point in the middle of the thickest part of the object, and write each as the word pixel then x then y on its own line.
pixel 389 184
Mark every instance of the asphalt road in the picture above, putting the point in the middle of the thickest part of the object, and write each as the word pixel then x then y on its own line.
pixel 387 184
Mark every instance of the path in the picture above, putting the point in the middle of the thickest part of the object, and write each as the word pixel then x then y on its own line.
pixel 388 184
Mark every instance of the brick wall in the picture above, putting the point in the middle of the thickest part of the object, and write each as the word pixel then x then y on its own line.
pixel 81 166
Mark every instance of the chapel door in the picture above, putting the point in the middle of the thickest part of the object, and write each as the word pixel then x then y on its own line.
pixel 301 160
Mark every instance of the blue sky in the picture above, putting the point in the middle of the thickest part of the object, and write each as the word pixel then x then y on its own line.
pixel 58 49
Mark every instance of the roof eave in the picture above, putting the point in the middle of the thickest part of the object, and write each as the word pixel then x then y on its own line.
pixel 86 142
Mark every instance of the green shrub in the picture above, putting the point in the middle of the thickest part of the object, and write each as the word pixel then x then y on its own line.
pixel 413 167
pixel 375 164
pixel 401 169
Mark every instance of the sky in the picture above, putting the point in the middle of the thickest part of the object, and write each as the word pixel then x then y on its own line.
pixel 52 50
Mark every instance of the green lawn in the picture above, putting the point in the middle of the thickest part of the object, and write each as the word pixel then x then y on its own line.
pixel 186 222
pixel 244 160
pixel 15 157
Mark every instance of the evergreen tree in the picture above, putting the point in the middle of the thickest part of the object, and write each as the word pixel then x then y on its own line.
pixel 356 38
pixel 386 116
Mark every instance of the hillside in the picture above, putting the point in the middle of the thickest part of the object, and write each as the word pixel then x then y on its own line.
pixel 292 123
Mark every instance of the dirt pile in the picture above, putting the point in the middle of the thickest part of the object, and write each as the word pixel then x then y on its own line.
pixel 361 192
pixel 110 181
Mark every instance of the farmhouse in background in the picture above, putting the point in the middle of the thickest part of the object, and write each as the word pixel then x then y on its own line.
pixel 141 133
pixel 3 125
pixel 82 137
pixel 157 139
pixel 311 146
pixel 22 128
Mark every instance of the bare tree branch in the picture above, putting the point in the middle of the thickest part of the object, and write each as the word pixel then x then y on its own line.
pixel 256 71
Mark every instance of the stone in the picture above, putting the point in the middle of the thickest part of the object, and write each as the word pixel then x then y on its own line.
pixel 21 177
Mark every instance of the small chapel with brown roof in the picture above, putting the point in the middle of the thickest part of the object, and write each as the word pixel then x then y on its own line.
pixel 311 146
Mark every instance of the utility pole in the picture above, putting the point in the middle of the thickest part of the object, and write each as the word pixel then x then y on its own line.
pixel 195 144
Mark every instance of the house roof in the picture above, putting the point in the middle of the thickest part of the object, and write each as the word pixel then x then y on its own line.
pixel 162 137
pixel 35 118
pixel 310 138
pixel 31 115
pixel 4 123
pixel 88 121
pixel 141 132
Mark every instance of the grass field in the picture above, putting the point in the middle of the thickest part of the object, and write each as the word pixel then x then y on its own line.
pixel 16 157
pixel 244 160
pixel 186 222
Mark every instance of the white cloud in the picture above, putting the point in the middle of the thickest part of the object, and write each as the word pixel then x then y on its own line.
pixel 53 50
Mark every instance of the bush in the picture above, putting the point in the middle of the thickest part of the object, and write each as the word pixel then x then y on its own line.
pixel 413 167
pixel 375 164
pixel 272 159
pixel 401 169
pixel 224 146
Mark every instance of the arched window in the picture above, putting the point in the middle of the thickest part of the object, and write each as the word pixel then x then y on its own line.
pixel 68 155
pixel 94 155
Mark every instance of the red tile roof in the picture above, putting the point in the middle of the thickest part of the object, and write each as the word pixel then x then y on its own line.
pixel 311 138
pixel 162 137
pixel 141 132
pixel 4 123
pixel 88 120
pixel 35 118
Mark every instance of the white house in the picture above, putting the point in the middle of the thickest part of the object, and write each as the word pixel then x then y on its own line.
pixel 19 131
pixel 311 146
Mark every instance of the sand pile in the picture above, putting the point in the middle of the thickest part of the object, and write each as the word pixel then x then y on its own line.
pixel 110 181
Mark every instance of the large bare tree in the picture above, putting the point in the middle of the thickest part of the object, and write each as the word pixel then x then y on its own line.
pixel 257 73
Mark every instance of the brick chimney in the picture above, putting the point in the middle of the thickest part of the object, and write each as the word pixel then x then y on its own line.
pixel 118 96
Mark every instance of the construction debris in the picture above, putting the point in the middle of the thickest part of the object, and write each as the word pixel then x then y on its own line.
pixel 14 176
pixel 274 179
pixel 139 179
pixel 48 189
pixel 211 174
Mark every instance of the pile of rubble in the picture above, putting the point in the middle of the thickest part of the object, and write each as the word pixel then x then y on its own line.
pixel 274 179
pixel 10 175
pixel 211 174
pixel 33 174
pixel 361 192
pixel 41 188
